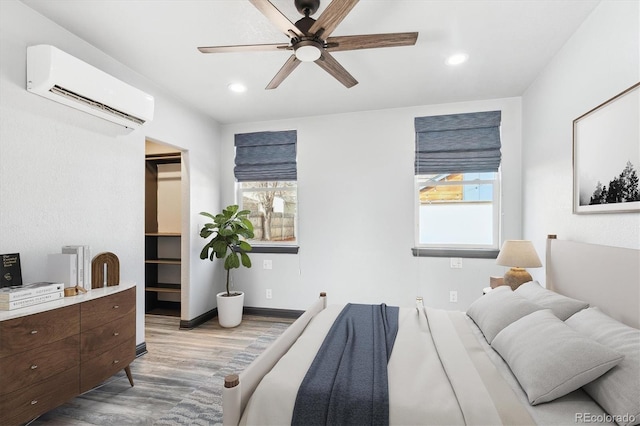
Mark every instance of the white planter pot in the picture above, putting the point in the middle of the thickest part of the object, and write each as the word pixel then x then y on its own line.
pixel 230 309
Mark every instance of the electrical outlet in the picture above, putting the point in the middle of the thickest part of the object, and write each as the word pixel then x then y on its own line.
pixel 269 295
pixel 453 296
pixel 456 263
pixel 267 264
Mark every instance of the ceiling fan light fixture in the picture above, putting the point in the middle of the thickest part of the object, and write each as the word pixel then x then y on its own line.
pixel 308 51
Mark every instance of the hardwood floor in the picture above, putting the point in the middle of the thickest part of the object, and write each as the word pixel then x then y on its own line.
pixel 179 380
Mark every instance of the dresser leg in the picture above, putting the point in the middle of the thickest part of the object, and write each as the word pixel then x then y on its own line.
pixel 127 370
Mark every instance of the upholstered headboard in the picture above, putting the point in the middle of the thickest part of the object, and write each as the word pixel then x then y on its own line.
pixel 604 276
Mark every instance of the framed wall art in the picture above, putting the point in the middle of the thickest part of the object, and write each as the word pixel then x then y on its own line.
pixel 606 156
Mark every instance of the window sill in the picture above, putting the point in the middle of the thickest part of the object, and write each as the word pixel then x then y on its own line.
pixel 466 253
pixel 275 249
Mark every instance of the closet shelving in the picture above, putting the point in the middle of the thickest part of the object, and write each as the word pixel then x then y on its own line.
pixel 162 249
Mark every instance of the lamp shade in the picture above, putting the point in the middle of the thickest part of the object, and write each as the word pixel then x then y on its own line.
pixel 518 253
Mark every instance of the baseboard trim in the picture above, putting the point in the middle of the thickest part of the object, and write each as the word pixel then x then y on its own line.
pixel 141 349
pixel 201 319
pixel 270 312
pixel 247 310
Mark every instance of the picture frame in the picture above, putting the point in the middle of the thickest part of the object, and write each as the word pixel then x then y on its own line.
pixel 606 156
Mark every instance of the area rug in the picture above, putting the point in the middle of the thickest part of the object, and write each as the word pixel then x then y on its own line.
pixel 203 406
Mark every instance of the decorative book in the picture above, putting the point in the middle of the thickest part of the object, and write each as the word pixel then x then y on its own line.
pixel 10 272
pixel 12 294
pixel 30 301
pixel 83 259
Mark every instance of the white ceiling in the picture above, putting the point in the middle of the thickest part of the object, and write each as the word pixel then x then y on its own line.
pixel 508 42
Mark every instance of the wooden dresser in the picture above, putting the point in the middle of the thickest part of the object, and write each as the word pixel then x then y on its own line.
pixel 52 352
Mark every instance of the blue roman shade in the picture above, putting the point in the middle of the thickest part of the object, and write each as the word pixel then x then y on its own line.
pixel 264 156
pixel 458 143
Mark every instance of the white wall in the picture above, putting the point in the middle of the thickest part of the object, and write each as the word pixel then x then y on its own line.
pixel 70 178
pixel 67 177
pixel 356 212
pixel 599 61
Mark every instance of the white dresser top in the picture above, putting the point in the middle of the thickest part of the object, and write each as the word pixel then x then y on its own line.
pixel 67 301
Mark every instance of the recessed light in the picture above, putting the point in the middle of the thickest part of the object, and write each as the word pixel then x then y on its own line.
pixel 237 87
pixel 457 59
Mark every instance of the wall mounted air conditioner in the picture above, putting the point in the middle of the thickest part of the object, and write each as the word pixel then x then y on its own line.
pixel 59 76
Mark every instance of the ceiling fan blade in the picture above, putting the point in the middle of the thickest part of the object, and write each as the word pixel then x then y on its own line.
pixel 330 65
pixel 277 18
pixel 335 12
pixel 284 72
pixel 245 48
pixel 371 41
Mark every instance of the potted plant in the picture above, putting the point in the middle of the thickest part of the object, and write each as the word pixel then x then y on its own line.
pixel 229 229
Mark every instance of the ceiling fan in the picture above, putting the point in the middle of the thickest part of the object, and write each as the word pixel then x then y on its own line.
pixel 310 38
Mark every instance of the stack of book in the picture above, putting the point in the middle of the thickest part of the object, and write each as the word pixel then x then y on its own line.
pixel 30 294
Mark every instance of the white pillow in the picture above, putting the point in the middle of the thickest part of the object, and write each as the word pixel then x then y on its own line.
pixel 550 359
pixel 497 309
pixel 562 306
pixel 618 390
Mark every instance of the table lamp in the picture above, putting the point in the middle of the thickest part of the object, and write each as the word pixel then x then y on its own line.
pixel 518 254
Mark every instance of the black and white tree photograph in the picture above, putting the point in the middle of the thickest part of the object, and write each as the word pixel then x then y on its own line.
pixel 621 189
pixel 606 148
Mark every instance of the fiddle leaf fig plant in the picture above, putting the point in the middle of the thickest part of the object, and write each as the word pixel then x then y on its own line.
pixel 229 230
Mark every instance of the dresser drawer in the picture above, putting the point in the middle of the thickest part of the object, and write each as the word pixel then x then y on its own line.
pixel 23 405
pixel 104 337
pixel 24 369
pixel 97 312
pixel 37 330
pixel 96 370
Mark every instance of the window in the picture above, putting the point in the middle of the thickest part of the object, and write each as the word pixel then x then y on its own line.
pixel 266 175
pixel 273 206
pixel 458 210
pixel 457 184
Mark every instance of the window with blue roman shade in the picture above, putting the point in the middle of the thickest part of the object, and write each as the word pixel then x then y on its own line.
pixel 457 181
pixel 266 175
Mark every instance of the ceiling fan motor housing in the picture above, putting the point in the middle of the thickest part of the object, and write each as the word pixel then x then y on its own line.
pixel 305 24
pixel 307 7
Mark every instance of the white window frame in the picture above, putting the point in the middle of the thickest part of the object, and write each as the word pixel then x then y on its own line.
pixel 473 250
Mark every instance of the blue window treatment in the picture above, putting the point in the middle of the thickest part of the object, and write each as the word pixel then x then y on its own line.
pixel 458 143
pixel 266 156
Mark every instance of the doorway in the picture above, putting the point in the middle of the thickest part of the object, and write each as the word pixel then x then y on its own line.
pixel 164 211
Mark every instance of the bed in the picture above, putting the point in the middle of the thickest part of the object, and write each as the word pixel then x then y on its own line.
pixel 566 354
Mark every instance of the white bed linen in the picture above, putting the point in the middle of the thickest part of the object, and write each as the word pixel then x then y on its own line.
pixel 562 411
pixel 420 392
pixel 273 401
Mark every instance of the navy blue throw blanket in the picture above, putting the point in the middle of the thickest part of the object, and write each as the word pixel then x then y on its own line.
pixel 347 382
